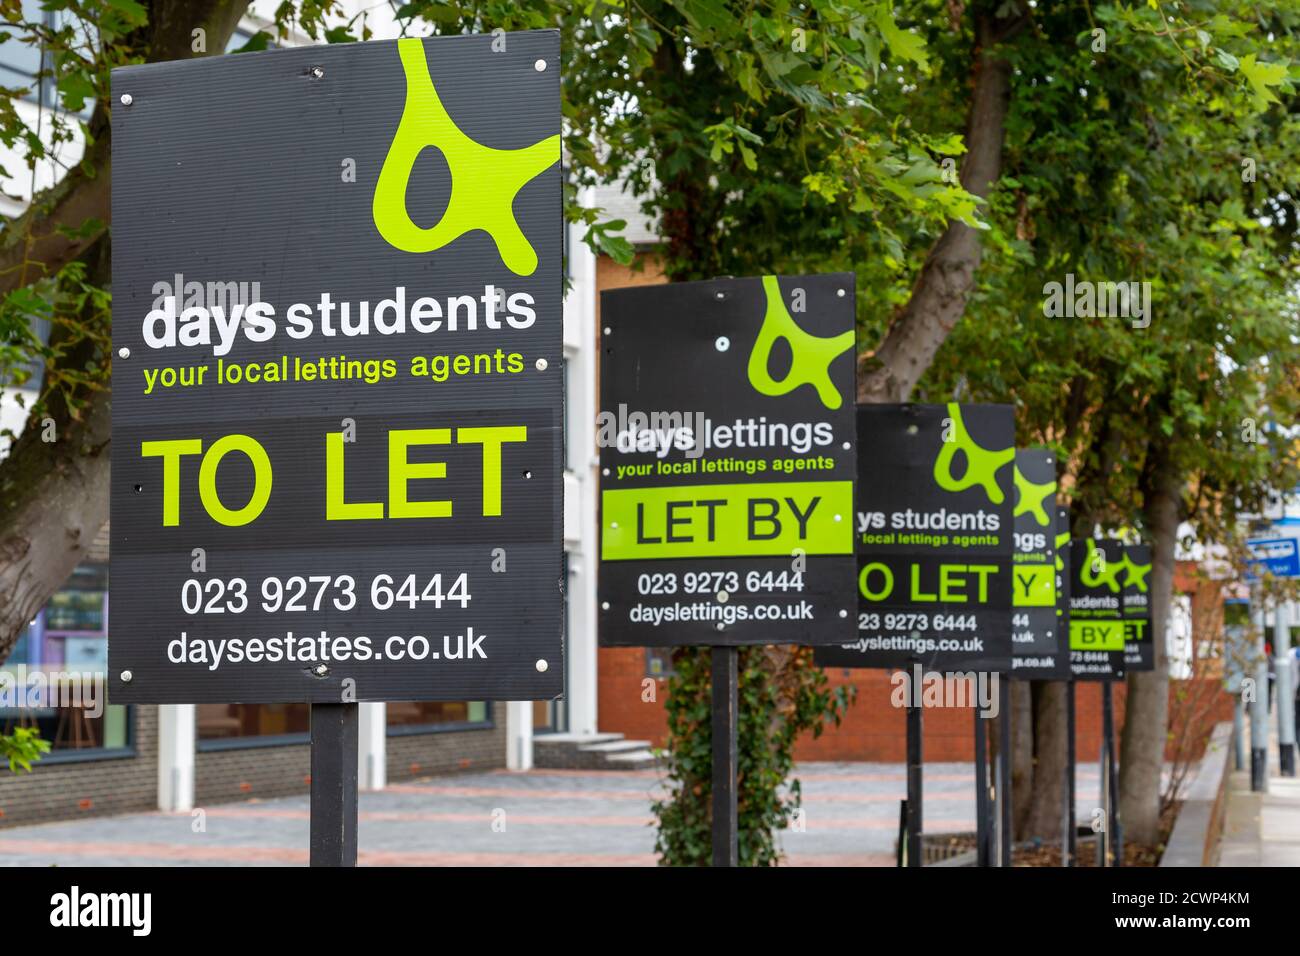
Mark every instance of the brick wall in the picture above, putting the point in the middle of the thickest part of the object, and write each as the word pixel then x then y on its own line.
pixel 420 755
pixel 65 791
pixel 874 729
pixel 225 775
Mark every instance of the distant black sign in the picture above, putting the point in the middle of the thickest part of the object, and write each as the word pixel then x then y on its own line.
pixel 337 385
pixel 1139 648
pixel 1096 610
pixel 934 538
pixel 1039 645
pixel 727 462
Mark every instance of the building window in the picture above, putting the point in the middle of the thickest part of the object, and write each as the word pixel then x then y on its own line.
pixel 227 726
pixel 54 681
pixel 433 716
pixel 21 61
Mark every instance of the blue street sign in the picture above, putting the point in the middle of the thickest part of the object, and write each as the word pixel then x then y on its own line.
pixel 1278 556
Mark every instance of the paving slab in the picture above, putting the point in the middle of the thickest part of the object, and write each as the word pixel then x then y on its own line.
pixel 503 818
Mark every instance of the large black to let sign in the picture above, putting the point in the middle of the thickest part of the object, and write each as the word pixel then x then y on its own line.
pixel 1096 611
pixel 1139 650
pixel 1040 648
pixel 934 538
pixel 727 462
pixel 337 381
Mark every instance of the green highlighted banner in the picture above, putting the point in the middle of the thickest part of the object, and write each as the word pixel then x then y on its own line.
pixel 709 521
pixel 1097 635
pixel 1034 585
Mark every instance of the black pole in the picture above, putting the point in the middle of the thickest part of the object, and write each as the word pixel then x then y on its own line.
pixel 726 676
pixel 334 737
pixel 1112 775
pixel 914 759
pixel 1004 770
pixel 900 853
pixel 981 792
pixel 1070 846
pixel 1103 764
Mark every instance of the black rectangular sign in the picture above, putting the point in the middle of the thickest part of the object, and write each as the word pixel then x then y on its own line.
pixel 727 462
pixel 337 381
pixel 1040 648
pixel 1139 649
pixel 1096 609
pixel 934 538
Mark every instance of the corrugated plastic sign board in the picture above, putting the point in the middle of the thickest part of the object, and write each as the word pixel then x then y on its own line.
pixel 934 539
pixel 337 382
pixel 727 462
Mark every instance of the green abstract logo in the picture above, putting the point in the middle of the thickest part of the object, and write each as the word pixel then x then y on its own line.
pixel 811 356
pixel 484 181
pixel 1062 542
pixel 1135 575
pixel 1107 575
pixel 1031 496
pixel 981 464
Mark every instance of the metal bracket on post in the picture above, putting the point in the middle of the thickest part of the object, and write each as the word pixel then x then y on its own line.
pixel 726 677
pixel 334 736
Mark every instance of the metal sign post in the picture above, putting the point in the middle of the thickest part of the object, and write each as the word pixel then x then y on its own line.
pixel 1113 826
pixel 1103 795
pixel 914 765
pixel 334 784
pixel 726 675
pixel 1069 839
pixel 1004 771
pixel 1259 705
pixel 1284 669
pixel 1070 843
pixel 983 842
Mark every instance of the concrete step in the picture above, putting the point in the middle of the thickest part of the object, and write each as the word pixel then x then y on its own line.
pixel 600 751
pixel 634 760
pixel 581 740
pixel 615 746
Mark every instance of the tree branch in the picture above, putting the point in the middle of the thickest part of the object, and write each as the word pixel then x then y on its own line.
pixel 944 283
pixel 35 245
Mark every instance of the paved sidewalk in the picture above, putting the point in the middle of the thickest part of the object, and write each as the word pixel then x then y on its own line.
pixel 1262 829
pixel 542 817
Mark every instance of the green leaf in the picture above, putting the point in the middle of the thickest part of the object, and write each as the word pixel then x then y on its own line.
pixel 1262 77
pixel 1226 60
pixel 902 44
pixel 256 43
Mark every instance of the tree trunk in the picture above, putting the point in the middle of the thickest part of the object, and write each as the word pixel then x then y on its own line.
pixel 50 233
pixel 1043 818
pixel 54 484
pixel 55 481
pixel 944 284
pixel 1146 706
